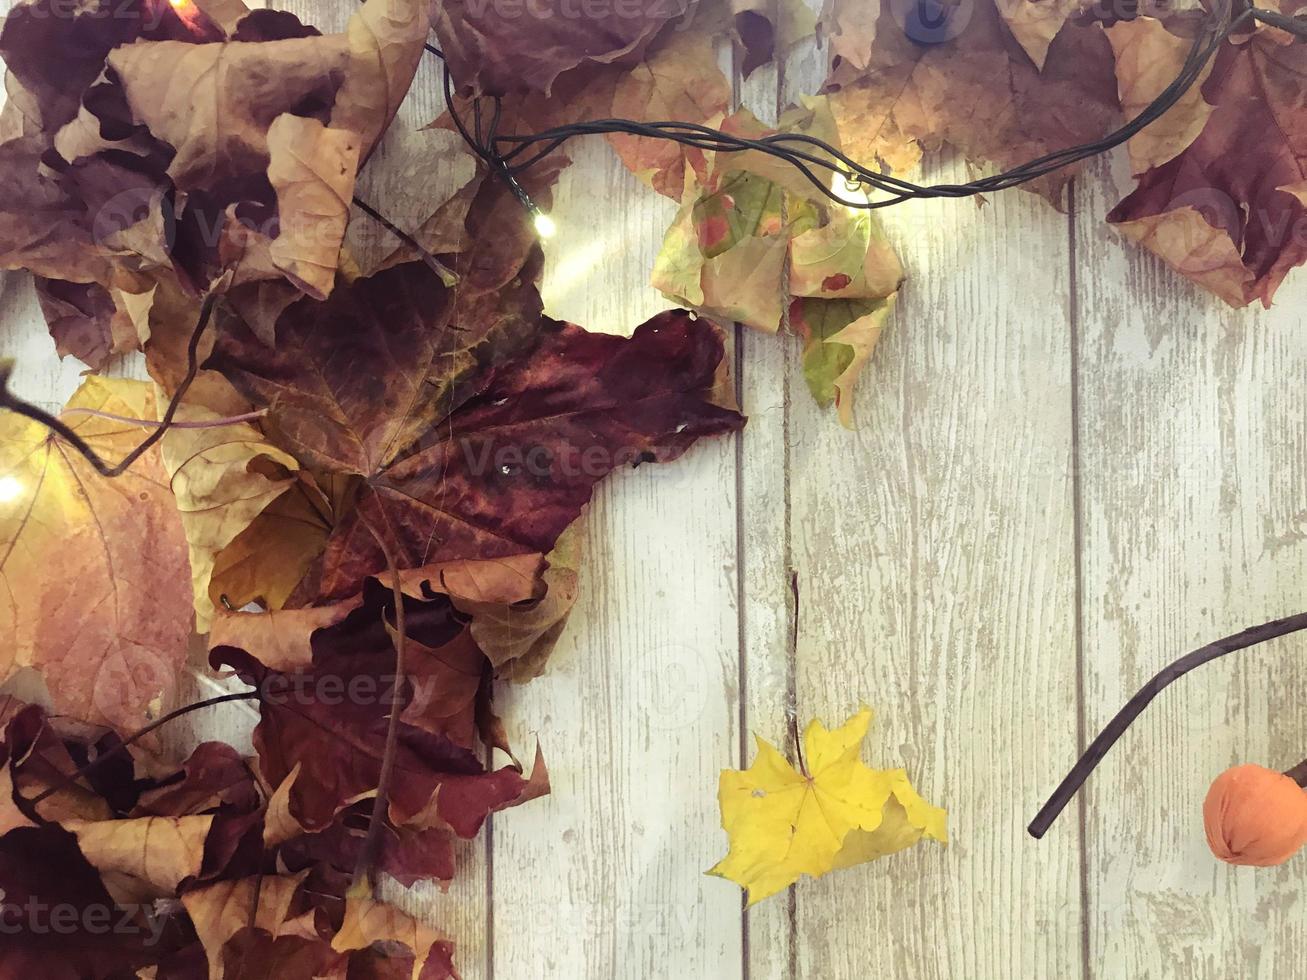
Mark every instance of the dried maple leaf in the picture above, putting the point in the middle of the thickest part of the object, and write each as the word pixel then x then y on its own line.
pixel 222 478
pixel 679 80
pixel 966 81
pixel 312 170
pixel 836 813
pixel 97 585
pixel 838 338
pixel 497 51
pixel 220 910
pixel 518 634
pixel 385 42
pixel 467 453
pixel 338 742
pixel 355 380
pixel 509 469
pixel 1148 59
pixel 157 853
pixel 1229 211
pixel 368 923
pixel 214 776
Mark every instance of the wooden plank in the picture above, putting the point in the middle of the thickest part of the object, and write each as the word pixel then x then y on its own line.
pixel 766 603
pixel 637 712
pixel 1192 441
pixel 935 553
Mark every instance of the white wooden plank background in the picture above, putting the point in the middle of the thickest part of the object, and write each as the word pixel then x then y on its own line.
pixel 1070 467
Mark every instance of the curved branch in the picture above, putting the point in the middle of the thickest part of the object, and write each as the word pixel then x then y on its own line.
pixel 71 778
pixel 64 431
pixel 1115 728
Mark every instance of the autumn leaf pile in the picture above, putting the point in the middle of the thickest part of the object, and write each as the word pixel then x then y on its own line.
pixel 368 504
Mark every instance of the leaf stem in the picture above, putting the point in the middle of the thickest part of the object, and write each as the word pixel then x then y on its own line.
pixel 363 868
pixel 158 723
pixel 1115 728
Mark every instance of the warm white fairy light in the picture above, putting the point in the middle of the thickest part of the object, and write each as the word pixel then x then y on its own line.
pixel 10 489
pixel 848 188
pixel 545 226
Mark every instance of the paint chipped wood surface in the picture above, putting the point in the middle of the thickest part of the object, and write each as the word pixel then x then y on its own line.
pixel 1070 466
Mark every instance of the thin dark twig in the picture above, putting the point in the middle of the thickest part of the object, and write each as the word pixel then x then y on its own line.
pixel 434 264
pixel 159 723
pixel 64 431
pixel 1115 728
pixel 363 868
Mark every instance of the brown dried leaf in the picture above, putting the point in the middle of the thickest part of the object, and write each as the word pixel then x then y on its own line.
pixel 498 50
pixel 312 170
pixel 926 85
pixel 97 585
pixel 1148 59
pixel 1228 211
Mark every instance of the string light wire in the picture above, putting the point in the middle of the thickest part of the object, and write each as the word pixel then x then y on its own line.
pixel 511 155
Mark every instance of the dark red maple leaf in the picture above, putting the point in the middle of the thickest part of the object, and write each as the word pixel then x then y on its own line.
pixel 331 720
pixel 1229 211
pixel 507 471
pixel 469 450
pixel 214 776
pixel 43 875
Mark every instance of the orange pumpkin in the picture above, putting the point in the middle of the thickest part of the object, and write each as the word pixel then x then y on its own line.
pixel 1255 815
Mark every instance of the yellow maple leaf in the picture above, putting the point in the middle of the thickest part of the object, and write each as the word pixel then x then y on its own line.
pixel 783 823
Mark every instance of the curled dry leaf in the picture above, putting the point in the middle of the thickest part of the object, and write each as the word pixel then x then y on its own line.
pixel 838 339
pixel 337 742
pixel 312 170
pixel 835 814
pixel 1229 211
pixel 746 221
pixel 929 84
pixel 223 478
pixel 98 595
pixel 518 635
pixel 1148 59
pixel 497 50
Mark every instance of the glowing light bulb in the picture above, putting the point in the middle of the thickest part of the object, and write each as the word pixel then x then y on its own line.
pixel 545 226
pixel 848 188
pixel 179 4
pixel 10 489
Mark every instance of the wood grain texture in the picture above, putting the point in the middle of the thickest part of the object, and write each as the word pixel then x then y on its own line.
pixel 1192 440
pixel 935 553
pixel 767 604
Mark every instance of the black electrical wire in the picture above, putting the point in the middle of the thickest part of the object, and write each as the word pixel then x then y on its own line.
pixel 513 155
